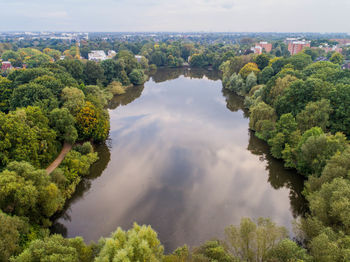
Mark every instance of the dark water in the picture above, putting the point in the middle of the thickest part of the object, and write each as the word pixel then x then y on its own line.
pixel 181 158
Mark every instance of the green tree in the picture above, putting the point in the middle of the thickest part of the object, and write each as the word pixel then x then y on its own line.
pixel 33 95
pixel 64 125
pixel 262 61
pixel 74 67
pixel 250 82
pixel 261 112
pixel 26 191
pixel 12 232
pixel 287 250
pixel 265 75
pixel 73 99
pixel 137 77
pixel 56 249
pixel 314 114
pixel 337 58
pixel 137 244
pixel 252 241
pixel 93 73
pixel 6 89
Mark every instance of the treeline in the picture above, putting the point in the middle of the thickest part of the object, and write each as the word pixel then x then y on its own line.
pixel 250 241
pixel 43 107
pixel 301 109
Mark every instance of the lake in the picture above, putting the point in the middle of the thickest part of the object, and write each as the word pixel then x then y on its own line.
pixel 180 158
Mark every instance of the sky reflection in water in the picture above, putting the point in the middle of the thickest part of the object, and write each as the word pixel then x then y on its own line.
pixel 181 161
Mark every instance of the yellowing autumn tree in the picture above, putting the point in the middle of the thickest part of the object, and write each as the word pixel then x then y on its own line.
pixel 92 123
pixel 248 68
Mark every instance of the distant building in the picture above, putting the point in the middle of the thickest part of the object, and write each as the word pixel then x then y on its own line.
pixel 259 47
pixel 6 65
pixel 111 54
pixel 296 47
pixel 346 65
pixel 138 58
pixel 332 49
pixel 97 55
pixel 342 41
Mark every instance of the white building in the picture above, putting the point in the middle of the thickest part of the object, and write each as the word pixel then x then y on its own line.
pixel 111 54
pixel 138 58
pixel 97 55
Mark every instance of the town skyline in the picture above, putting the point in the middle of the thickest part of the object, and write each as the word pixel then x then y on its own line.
pixel 176 16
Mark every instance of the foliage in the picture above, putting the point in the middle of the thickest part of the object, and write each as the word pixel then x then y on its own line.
pixel 26 191
pixel 337 58
pixel 92 123
pixel 12 233
pixel 64 125
pixel 116 88
pixel 252 241
pixel 56 249
pixel 137 77
pixel 73 99
pixel 137 244
pixel 248 68
pixel 25 135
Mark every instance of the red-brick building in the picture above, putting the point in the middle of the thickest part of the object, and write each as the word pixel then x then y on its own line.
pixel 259 47
pixel 296 47
pixel 6 66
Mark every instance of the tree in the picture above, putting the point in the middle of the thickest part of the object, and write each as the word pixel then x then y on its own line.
pixel 337 58
pixel 33 95
pixel 212 251
pixel 13 229
pixel 93 73
pixel 248 68
pixel 56 249
pixel 299 61
pixel 55 54
pixel 137 244
pixel 250 82
pixel 262 61
pixel 252 241
pixel 63 123
pixel 116 88
pixel 25 135
pixel 261 112
pixel 287 250
pixel 316 148
pixel 26 191
pixel 74 67
pixel 51 83
pixel 330 205
pixel 158 58
pixel 37 60
pixel 236 84
pixel 92 123
pixel 80 162
pixel 314 114
pixel 137 77
pixel 6 89
pixel 265 75
pixel 337 167
pixel 73 99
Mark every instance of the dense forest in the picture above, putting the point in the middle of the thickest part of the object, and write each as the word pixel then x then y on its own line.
pixel 300 107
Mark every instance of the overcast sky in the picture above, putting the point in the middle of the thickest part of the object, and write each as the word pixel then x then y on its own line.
pixel 176 15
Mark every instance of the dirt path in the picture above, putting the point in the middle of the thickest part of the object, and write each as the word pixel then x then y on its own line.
pixel 66 148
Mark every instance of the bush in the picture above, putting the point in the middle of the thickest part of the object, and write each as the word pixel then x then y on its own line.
pixel 116 88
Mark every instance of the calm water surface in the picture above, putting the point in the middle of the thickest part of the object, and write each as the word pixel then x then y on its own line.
pixel 180 158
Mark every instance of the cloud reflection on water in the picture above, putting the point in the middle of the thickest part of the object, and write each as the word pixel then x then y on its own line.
pixel 179 162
